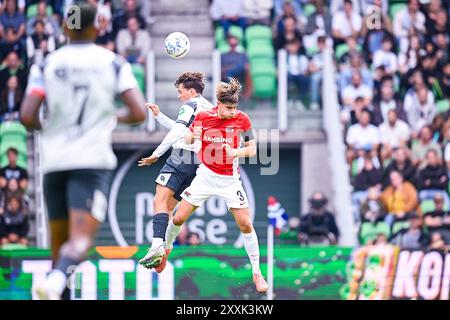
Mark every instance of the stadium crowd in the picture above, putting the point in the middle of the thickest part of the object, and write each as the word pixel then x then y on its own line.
pixel 393 63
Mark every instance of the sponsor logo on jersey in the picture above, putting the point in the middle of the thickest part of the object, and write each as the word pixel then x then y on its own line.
pixel 218 139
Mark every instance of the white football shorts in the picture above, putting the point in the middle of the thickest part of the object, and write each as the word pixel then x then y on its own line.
pixel 207 183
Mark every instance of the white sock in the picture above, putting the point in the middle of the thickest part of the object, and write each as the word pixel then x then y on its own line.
pixel 252 248
pixel 172 232
pixel 57 280
pixel 156 243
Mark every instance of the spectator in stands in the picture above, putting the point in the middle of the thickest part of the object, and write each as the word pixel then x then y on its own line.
pixel 131 10
pixel 394 133
pixel 10 100
pixel 352 49
pixel 442 50
pixel 373 209
pixel 433 179
pixel 133 43
pixel 437 242
pixel 420 108
pixel 181 239
pixel 408 21
pixel 399 198
pixel 362 136
pixel 422 146
pixel 13 23
pixel 346 23
pixel 279 7
pixel 437 19
pixel 318 224
pixel 445 81
pixel 40 43
pixel 12 171
pixel 289 32
pixel 51 26
pixel 258 11
pixel 385 102
pixel 402 163
pixel 288 10
pixel 375 30
pixel 193 239
pixel 356 89
pixel 413 238
pixel 227 13
pixel 235 65
pixel 13 66
pixel 315 71
pixel 14 223
pixel 437 126
pixel 438 220
pixel 408 60
pixel 318 23
pixel 105 38
pixel 297 67
pixel 385 57
pixel 355 64
pixel 368 177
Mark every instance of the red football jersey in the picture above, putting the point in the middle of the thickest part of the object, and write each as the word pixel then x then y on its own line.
pixel 215 133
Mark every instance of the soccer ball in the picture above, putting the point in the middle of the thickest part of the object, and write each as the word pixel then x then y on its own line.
pixel 177 45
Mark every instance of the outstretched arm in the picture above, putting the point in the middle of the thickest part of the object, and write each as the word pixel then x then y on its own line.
pixel 162 119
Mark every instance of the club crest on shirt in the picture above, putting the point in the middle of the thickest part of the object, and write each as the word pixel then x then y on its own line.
pixel 229 129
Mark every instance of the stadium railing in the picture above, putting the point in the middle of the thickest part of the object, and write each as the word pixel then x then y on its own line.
pixel 336 154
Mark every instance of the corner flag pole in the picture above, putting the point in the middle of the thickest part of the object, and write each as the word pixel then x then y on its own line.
pixel 270 233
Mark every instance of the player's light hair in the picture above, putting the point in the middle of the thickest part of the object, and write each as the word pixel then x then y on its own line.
pixel 191 80
pixel 228 93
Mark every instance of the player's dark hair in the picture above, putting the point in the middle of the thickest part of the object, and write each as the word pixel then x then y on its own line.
pixel 87 12
pixel 228 93
pixel 191 80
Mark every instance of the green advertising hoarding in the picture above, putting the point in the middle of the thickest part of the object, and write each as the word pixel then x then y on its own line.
pixel 130 210
pixel 204 272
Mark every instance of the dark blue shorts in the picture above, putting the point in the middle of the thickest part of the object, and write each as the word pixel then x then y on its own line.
pixel 179 171
pixel 82 189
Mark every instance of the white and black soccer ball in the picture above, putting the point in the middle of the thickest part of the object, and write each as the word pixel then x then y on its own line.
pixel 177 45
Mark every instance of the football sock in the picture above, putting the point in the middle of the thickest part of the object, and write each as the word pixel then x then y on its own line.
pixel 252 249
pixel 171 233
pixel 159 229
pixel 64 268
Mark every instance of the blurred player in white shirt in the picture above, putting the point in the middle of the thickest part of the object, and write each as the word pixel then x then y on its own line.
pixel 78 83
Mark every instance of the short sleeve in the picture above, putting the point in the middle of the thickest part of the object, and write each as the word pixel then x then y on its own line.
pixel 198 121
pixel 186 113
pixel 247 129
pixel 36 82
pixel 125 77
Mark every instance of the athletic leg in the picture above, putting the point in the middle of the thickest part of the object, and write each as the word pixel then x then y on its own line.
pixel 242 218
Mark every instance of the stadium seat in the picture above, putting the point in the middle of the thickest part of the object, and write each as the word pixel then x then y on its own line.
pixel 12 128
pixel 263 75
pixel 220 35
pixel 32 11
pixel 399 225
pixel 369 231
pixel 258 32
pixel 260 49
pixel 394 8
pixel 13 134
pixel 139 73
pixel 309 9
pixel 442 105
pixel 427 206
